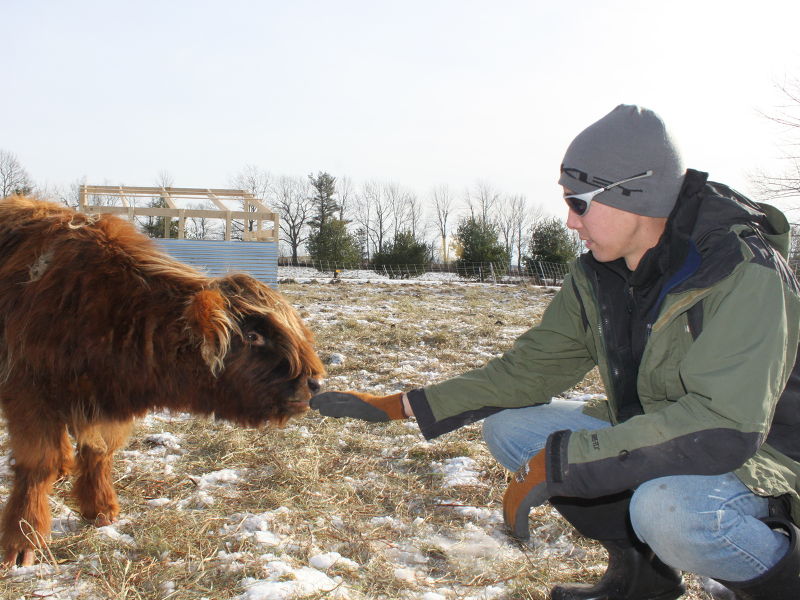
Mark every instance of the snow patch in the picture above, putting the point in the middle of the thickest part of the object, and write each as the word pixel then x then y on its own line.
pixel 283 581
pixel 114 534
pixel 326 560
pixel 461 470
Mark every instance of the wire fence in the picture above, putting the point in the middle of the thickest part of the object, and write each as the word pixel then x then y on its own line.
pixel 536 273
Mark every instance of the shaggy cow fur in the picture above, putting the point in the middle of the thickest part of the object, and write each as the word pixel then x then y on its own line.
pixel 97 326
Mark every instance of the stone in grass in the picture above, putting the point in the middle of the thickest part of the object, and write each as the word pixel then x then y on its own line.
pixel 336 359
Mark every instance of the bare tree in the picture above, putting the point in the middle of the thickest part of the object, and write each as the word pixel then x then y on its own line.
pixel 14 179
pixel 201 228
pixel 524 216
pixel 512 222
pixel 47 191
pixel 443 208
pixel 505 220
pixel 374 215
pixel 164 179
pixel 481 201
pixel 293 203
pixel 415 210
pixel 252 179
pixel 401 205
pixel 102 199
pixel 346 193
pixel 364 208
pixel 69 195
pixel 785 185
pixel 256 181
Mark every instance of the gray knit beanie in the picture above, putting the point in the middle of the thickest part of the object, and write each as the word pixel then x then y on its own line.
pixel 627 141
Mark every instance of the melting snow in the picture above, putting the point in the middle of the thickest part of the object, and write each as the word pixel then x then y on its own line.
pixel 111 532
pixel 462 470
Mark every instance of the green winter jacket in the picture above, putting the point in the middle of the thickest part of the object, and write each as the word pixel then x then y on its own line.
pixel 719 339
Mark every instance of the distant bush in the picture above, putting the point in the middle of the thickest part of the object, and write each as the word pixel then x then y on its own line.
pixel 332 243
pixel 403 258
pixel 551 242
pixel 478 244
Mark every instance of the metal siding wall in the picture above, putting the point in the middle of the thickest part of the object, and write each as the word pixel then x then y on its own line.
pixel 259 259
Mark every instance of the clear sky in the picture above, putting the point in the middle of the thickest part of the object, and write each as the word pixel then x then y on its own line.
pixel 421 93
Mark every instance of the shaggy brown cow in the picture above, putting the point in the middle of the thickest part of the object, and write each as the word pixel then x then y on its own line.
pixel 97 326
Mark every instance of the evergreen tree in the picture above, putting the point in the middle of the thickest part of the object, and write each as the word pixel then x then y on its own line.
pixel 403 258
pixel 480 247
pixel 154 226
pixel 325 205
pixel 332 245
pixel 551 242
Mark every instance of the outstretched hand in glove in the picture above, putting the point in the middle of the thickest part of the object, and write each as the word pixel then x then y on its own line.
pixel 361 406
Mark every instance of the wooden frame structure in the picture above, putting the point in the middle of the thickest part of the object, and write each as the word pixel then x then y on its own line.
pixel 254 210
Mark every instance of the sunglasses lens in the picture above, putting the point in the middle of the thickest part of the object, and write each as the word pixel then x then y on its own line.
pixel 576 205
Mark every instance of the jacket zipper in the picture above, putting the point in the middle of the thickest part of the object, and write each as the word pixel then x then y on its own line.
pixel 602 327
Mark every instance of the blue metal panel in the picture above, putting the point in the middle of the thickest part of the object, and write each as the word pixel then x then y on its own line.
pixel 216 258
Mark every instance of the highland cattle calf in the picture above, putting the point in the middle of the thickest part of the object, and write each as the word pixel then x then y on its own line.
pixel 97 326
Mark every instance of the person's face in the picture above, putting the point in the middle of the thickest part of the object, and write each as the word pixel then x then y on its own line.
pixel 611 233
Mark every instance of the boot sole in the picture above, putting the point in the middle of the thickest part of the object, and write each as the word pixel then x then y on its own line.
pixel 673 594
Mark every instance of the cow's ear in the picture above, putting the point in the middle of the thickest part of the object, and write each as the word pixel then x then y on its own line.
pixel 208 318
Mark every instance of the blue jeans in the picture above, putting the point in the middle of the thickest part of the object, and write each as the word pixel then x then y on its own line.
pixel 708 525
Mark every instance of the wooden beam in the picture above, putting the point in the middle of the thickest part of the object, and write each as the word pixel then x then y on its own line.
pixel 127 194
pixel 216 201
pixel 167 198
pixel 276 228
pixel 123 197
pixel 169 212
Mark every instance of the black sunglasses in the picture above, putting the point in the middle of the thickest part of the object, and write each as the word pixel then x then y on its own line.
pixel 579 203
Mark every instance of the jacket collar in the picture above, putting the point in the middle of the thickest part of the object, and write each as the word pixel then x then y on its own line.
pixel 698 247
pixel 674 245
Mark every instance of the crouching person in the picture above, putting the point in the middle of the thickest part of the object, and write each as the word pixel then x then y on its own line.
pixel 686 304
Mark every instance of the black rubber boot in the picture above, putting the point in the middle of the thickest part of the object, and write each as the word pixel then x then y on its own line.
pixel 782 581
pixel 634 572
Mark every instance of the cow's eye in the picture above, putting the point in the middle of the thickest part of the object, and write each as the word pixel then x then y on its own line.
pixel 255 339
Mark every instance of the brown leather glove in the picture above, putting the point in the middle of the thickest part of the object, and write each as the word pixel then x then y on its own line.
pixel 359 406
pixel 528 488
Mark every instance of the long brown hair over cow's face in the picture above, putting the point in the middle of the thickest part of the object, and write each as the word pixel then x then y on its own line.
pixel 257 348
pixel 97 326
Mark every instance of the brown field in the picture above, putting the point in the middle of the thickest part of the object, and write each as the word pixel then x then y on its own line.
pixel 218 512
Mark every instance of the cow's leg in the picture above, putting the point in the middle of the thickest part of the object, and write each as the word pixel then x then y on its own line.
pixel 40 452
pixel 94 488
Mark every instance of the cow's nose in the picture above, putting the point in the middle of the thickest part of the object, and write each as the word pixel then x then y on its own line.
pixel 314 385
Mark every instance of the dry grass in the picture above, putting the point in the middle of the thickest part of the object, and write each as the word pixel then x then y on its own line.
pixel 334 477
